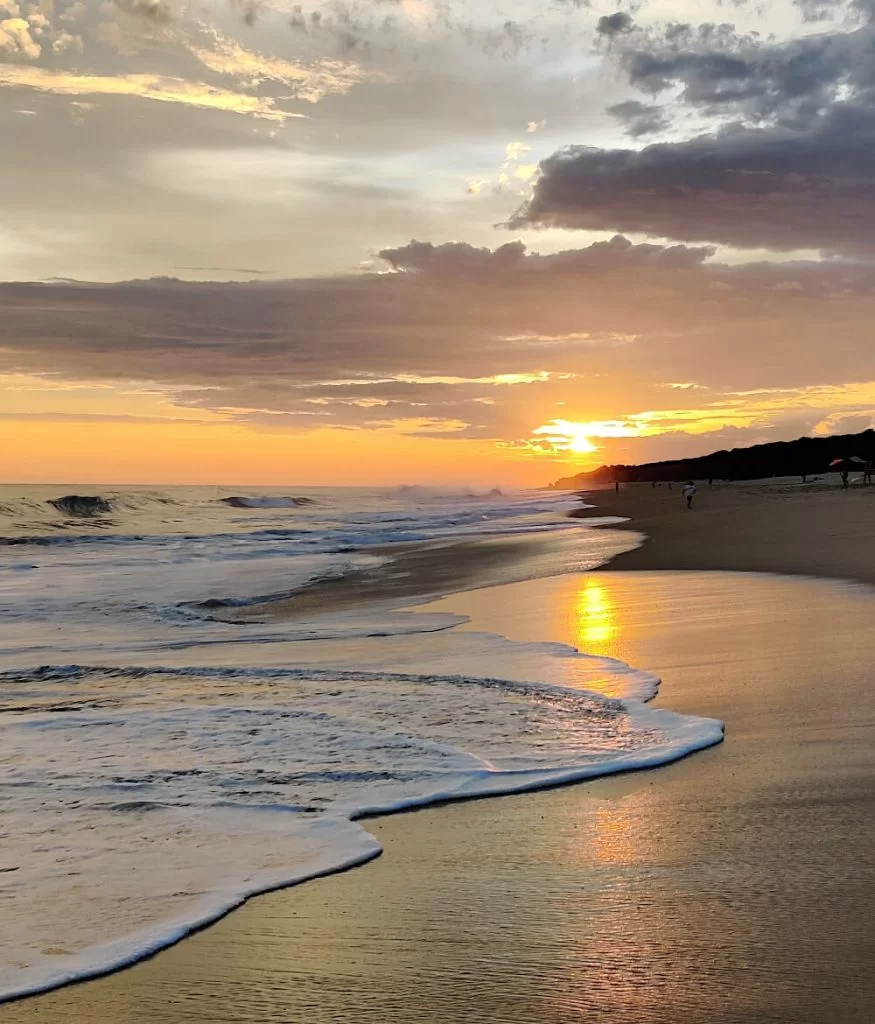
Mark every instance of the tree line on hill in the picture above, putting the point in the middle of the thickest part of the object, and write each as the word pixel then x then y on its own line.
pixel 804 457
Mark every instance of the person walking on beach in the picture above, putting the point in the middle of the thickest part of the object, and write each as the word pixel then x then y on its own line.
pixel 689 492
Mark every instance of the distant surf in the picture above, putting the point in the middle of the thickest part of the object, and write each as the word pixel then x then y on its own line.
pixel 266 501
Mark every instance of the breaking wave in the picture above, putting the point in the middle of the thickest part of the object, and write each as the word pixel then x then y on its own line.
pixel 82 505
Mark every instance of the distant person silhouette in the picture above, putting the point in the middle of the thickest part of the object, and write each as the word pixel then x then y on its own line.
pixel 689 492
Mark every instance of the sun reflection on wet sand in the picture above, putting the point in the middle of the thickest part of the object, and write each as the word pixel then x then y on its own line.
pixel 617 831
pixel 596 616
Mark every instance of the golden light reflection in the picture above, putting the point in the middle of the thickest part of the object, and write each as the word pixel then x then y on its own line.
pixel 616 831
pixel 596 614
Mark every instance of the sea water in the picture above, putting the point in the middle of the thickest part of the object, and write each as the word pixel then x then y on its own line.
pixel 157 766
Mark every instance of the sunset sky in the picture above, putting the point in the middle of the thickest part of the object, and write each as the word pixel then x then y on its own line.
pixel 258 241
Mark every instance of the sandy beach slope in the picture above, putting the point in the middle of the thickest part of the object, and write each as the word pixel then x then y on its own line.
pixel 734 886
pixel 816 529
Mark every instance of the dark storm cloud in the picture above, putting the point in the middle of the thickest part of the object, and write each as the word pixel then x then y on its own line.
pixel 791 163
pixel 453 256
pixel 614 24
pixel 639 118
pixel 722 71
pixel 481 354
pixel 767 187
pixel 618 253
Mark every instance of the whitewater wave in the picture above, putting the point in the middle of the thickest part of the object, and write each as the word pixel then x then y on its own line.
pixel 123 778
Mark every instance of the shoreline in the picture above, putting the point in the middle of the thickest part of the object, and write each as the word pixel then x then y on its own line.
pixel 421 571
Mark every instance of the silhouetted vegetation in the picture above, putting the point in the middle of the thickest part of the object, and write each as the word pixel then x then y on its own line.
pixel 805 457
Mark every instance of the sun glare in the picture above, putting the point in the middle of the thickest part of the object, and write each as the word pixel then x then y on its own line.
pixel 579 438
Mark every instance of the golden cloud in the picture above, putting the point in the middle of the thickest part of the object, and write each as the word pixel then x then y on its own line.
pixel 15 38
pixel 162 88
pixel 311 82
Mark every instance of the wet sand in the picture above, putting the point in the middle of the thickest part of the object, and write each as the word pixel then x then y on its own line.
pixel 426 570
pixel 817 529
pixel 734 886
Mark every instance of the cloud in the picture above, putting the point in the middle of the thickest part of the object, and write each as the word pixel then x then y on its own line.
pixel 455 257
pixel 96 417
pixel 477 343
pixel 611 25
pixel 158 12
pixel 787 165
pixel 163 89
pixel 64 41
pixel 250 10
pixel 310 82
pixel 767 187
pixel 722 71
pixel 15 39
pixel 639 118
pixel 226 270
pixel 462 258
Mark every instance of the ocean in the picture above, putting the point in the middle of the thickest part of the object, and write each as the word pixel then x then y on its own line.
pixel 191 716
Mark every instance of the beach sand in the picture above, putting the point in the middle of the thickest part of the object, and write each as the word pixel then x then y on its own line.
pixel 815 529
pixel 734 886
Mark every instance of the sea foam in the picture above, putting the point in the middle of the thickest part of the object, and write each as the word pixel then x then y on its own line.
pixel 141 803
pixel 161 767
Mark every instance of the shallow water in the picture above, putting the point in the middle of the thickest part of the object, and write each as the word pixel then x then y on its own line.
pixel 160 766
pixel 732 887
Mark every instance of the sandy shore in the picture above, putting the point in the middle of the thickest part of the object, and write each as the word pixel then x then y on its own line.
pixel 733 887
pixel 814 529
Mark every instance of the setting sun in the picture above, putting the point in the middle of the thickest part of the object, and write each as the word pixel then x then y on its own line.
pixel 570 436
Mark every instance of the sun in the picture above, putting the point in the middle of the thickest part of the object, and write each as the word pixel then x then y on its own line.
pixel 579 442
pixel 580 438
pixel 567 436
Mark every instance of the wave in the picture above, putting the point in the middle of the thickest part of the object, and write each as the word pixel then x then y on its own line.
pixel 268 770
pixel 83 505
pixel 266 501
pixel 424 492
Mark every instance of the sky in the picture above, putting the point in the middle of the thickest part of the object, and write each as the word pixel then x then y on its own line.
pixel 397 241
